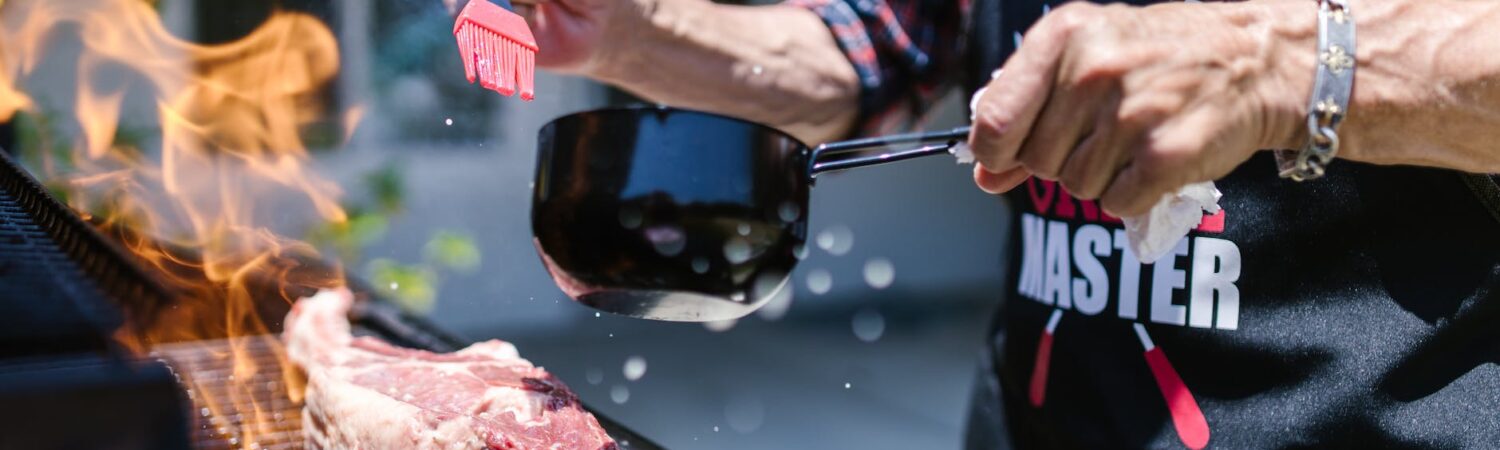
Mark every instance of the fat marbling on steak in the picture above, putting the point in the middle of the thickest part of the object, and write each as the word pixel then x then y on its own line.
pixel 363 393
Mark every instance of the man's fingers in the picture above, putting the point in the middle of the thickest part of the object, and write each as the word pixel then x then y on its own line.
pixel 1168 159
pixel 1008 109
pixel 1067 119
pixel 526 11
pixel 1091 166
pixel 1129 195
pixel 1094 164
pixel 999 183
pixel 1012 101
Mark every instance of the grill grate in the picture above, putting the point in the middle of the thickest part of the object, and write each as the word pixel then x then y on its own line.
pixel 246 405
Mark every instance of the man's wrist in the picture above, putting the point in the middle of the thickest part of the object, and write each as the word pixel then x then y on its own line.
pixel 1401 68
pixel 1288 35
pixel 645 28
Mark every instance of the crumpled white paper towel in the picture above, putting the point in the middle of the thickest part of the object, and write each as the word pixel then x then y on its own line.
pixel 1154 234
pixel 963 153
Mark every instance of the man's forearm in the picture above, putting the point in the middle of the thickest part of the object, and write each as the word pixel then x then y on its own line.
pixel 1428 86
pixel 777 65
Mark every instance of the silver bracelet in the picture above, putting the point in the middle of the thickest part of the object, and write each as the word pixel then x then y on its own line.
pixel 1330 98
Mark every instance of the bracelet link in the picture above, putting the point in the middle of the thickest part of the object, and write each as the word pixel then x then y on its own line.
pixel 1330 99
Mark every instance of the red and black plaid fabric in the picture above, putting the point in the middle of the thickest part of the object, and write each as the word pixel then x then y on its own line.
pixel 906 52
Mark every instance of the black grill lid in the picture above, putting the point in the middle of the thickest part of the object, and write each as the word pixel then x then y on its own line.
pixel 58 275
pixel 92 402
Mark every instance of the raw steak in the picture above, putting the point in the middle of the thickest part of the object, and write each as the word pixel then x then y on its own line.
pixel 363 393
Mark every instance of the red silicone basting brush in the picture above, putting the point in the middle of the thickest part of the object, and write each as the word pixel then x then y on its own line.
pixel 497 47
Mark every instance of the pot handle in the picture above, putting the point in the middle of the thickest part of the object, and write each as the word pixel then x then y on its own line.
pixel 928 143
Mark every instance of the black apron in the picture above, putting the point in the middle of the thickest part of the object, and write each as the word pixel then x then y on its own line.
pixel 1358 310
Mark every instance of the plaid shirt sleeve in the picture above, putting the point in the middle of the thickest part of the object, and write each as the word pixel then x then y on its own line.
pixel 905 52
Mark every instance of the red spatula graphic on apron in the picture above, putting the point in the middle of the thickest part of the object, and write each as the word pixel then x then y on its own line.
pixel 1043 361
pixel 1191 426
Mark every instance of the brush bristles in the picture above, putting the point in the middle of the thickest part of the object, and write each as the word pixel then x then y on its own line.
pixel 466 50
pixel 501 64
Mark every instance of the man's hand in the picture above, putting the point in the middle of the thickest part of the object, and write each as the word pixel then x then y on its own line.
pixel 1126 104
pixel 576 34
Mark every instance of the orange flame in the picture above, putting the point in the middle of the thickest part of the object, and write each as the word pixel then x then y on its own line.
pixel 230 162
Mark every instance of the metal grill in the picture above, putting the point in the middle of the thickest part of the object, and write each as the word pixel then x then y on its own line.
pixel 62 268
pixel 240 404
pixel 65 288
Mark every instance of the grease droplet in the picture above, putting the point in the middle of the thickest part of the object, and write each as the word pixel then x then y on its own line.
pixel 819 281
pixel 736 250
pixel 789 212
pixel 868 324
pixel 635 368
pixel 879 273
pixel 836 240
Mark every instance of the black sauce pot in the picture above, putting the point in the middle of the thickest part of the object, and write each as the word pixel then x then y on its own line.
pixel 680 215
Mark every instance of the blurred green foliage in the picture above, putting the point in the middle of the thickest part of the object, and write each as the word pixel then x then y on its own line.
pixel 38 143
pixel 387 187
pixel 452 251
pixel 413 286
pixel 45 149
pixel 349 238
